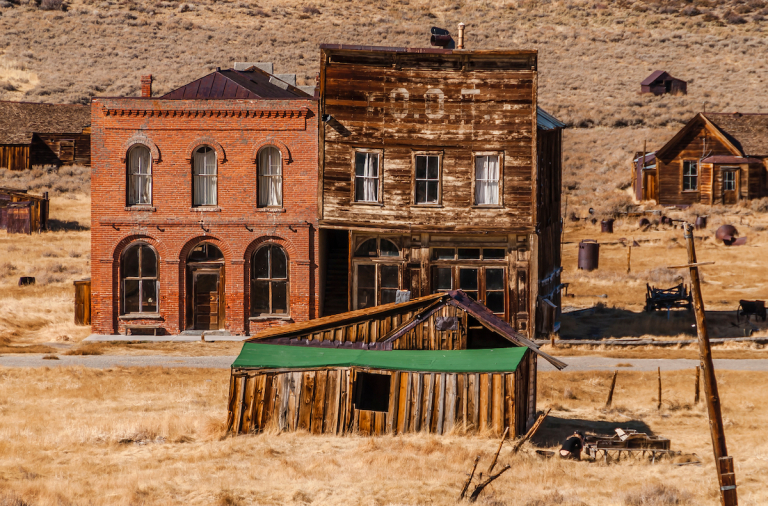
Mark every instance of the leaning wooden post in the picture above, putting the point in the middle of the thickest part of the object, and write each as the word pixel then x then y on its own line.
pixel 697 388
pixel 496 457
pixel 469 480
pixel 629 258
pixel 610 392
pixel 659 371
pixel 723 463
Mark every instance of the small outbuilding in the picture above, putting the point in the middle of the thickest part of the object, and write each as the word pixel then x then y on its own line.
pixel 660 82
pixel 438 363
pixel 22 212
pixel 33 134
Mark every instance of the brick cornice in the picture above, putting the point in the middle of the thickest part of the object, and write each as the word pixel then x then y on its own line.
pixel 300 112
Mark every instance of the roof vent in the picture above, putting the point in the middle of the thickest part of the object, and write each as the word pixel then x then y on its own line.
pixel 264 66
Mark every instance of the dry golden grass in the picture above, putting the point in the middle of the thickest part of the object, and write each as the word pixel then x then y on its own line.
pixel 154 436
pixel 135 348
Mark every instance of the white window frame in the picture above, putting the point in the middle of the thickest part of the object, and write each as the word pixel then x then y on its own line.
pixel 203 178
pixel 138 176
pixel 695 176
pixel 499 181
pixel 427 180
pixel 266 180
pixel 378 185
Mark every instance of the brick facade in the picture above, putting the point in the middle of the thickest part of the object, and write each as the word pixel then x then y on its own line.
pixel 172 130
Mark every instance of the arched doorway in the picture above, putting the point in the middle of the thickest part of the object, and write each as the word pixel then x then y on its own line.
pixel 205 288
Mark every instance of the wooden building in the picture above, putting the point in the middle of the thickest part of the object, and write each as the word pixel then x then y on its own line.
pixel 660 82
pixel 438 171
pixel 438 363
pixel 716 158
pixel 22 212
pixel 33 134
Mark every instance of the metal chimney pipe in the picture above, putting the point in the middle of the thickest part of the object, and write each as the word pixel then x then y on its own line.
pixel 460 44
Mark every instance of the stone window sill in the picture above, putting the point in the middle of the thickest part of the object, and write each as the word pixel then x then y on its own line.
pixel 270 209
pixel 146 209
pixel 205 209
pixel 141 316
pixel 270 318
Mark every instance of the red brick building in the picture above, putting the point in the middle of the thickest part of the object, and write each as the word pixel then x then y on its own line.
pixel 204 206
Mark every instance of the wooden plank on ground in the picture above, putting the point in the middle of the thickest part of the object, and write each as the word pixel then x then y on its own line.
pixel 318 407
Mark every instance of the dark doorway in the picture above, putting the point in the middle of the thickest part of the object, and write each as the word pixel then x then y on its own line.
pixel 372 391
pixel 479 337
pixel 336 272
pixel 205 288
pixel 206 294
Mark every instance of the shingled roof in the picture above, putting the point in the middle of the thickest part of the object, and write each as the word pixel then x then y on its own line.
pixel 253 83
pixel 747 132
pixel 19 120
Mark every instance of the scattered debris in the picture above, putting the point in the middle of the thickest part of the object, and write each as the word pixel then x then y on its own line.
pixel 50 357
pixel 730 236
pixel 490 477
pixel 631 443
pixel 701 223
pixel 749 308
pixel 530 432
pixel 667 298
pixel 606 226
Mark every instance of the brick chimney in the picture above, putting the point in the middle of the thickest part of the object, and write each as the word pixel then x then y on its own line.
pixel 146 86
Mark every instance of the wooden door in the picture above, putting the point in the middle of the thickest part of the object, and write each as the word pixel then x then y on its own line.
pixel 649 185
pixel 414 286
pixel 730 185
pixel 206 300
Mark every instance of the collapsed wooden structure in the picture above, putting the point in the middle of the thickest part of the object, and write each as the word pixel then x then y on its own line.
pixel 22 212
pixel 438 363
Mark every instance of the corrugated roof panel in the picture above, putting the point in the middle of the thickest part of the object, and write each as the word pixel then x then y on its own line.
pixel 546 121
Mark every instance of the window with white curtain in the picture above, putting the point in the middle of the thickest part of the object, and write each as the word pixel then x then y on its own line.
pixel 487 180
pixel 366 177
pixel 270 177
pixel 139 176
pixel 204 177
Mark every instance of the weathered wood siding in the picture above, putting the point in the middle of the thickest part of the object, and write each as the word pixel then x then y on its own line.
pixel 61 149
pixel 549 189
pixel 14 156
pixel 322 402
pixel 446 104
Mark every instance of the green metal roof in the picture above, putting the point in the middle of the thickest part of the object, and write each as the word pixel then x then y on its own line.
pixel 275 356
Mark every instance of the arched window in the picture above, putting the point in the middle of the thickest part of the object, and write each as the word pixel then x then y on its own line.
pixel 269 281
pixel 270 177
pixel 139 279
pixel 377 248
pixel 204 177
pixel 139 176
pixel 376 280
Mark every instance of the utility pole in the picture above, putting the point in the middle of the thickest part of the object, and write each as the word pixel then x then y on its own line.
pixel 723 463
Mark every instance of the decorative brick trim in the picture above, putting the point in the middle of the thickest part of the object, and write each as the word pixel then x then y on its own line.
pixel 206 141
pixel 140 138
pixel 191 243
pixel 131 238
pixel 280 145
pixel 301 112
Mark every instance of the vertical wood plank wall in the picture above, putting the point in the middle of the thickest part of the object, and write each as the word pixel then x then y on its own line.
pixel 321 401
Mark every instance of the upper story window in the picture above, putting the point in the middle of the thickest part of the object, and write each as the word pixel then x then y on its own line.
pixel 139 176
pixel 139 279
pixel 366 177
pixel 270 177
pixel 486 180
pixel 204 177
pixel 427 179
pixel 690 175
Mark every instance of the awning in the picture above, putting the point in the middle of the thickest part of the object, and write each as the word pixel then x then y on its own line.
pixel 275 356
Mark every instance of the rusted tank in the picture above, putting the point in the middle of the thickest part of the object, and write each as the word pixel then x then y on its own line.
pixel 644 222
pixel 589 254
pixel 606 226
pixel 727 234
pixel 701 223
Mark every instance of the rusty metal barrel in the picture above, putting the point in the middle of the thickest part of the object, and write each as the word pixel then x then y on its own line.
pixel 589 254
pixel 701 223
pixel 606 226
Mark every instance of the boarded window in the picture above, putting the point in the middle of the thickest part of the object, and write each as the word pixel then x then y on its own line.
pixel 269 281
pixel 372 391
pixel 139 277
pixel 270 177
pixel 427 179
pixel 690 175
pixel 366 177
pixel 487 180
pixel 139 176
pixel 729 180
pixel 204 181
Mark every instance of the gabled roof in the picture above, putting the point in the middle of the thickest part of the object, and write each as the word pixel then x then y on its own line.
pixel 253 83
pixel 427 305
pixel 747 132
pixel 546 121
pixel 697 120
pixel 657 75
pixel 20 120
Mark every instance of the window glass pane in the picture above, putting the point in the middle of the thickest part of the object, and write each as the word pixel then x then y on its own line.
pixel 373 162
pixel 131 296
pixel 359 189
pixel 148 296
pixel 367 249
pixel 494 279
pixel 442 279
pixel 269 161
pixel 421 167
pixel 468 279
pixel 260 296
pixel 472 295
pixel 148 262
pixel 366 297
pixel 205 253
pixel 495 301
pixel 443 253
pixel 366 276
pixel 389 277
pixel 388 296
pixel 388 249
pixel 433 169
pixel 421 192
pixel 131 263
pixel 261 264
pixel 360 162
pixel 279 263
pixel 279 297
pixel 432 192
pixel 494 254
pixel 469 253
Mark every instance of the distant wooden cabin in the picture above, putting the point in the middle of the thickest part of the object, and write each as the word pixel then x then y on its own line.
pixel 715 158
pixel 438 363
pixel 660 82
pixel 22 212
pixel 34 134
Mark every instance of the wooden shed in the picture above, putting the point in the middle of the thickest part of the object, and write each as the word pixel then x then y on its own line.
pixel 33 134
pixel 660 82
pixel 437 364
pixel 22 212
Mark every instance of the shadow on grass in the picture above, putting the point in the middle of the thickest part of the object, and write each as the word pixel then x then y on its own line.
pixel 554 430
pixel 66 226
